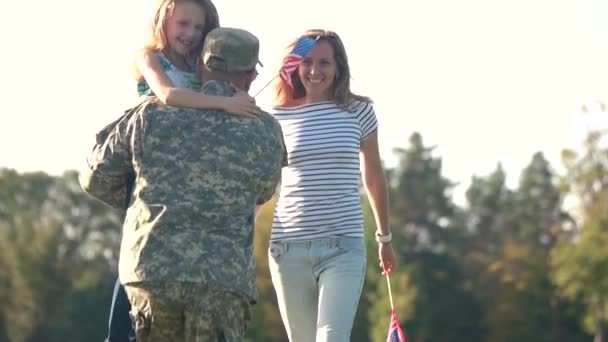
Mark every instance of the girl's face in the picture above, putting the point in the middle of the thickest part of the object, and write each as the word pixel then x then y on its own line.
pixel 184 28
pixel 318 71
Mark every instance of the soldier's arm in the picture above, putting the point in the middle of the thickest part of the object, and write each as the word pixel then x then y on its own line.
pixel 276 177
pixel 268 192
pixel 108 174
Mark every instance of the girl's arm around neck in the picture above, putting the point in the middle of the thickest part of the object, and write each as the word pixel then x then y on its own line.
pixel 149 66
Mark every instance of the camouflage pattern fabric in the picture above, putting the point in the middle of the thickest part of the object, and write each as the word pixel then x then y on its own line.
pixel 203 314
pixel 198 176
pixel 112 188
pixel 231 49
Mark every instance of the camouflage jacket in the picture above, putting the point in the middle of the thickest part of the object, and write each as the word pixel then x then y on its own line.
pixel 198 175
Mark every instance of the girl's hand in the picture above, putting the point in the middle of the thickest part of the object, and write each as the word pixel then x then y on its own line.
pixel 386 258
pixel 241 104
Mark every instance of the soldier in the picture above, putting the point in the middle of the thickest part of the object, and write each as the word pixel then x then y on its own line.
pixel 186 255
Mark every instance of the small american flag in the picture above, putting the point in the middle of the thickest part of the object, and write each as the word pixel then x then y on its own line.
pixel 303 45
pixel 395 334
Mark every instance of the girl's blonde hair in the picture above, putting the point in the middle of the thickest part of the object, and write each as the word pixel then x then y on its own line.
pixel 156 39
pixel 340 89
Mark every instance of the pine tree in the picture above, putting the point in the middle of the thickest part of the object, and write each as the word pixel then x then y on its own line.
pixel 429 289
pixel 581 263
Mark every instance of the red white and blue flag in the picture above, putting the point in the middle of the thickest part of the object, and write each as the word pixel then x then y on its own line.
pixel 295 57
pixel 395 334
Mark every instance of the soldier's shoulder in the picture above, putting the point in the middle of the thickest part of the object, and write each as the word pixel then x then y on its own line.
pixel 217 88
pixel 125 119
pixel 146 103
pixel 266 116
pixel 269 120
pixel 159 112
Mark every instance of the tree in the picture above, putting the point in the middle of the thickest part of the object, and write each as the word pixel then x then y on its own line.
pixel 539 222
pixel 55 243
pixel 429 288
pixel 487 225
pixel 581 262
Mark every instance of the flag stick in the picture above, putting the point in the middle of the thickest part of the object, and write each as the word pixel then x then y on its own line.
pixel 390 294
pixel 266 85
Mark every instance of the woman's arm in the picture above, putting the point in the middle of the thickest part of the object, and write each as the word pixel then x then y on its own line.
pixel 375 186
pixel 149 67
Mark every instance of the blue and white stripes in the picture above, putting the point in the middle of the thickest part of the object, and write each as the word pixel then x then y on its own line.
pixel 320 187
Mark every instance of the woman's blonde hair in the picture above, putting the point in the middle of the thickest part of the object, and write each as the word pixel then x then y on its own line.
pixel 340 89
pixel 156 39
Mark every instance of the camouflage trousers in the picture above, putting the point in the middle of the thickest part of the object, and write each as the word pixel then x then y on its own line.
pixel 192 312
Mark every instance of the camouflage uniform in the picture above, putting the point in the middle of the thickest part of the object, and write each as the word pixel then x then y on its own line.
pixel 187 245
pixel 209 314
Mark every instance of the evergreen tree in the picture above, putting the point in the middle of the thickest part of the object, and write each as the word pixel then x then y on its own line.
pixel 429 290
pixel 539 224
pixel 581 262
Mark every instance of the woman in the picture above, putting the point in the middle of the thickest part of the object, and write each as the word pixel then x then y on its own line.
pixel 317 252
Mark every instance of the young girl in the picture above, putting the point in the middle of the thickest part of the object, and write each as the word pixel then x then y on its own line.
pixel 166 66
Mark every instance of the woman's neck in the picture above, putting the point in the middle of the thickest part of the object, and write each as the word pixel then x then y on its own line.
pixel 310 99
pixel 302 101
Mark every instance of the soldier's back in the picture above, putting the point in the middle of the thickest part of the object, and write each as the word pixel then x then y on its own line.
pixel 199 176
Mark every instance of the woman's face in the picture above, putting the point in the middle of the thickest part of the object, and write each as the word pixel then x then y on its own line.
pixel 317 71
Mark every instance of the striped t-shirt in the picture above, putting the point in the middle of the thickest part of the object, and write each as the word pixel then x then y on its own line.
pixel 319 194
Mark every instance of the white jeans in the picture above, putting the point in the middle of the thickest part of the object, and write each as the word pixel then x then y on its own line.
pixel 318 285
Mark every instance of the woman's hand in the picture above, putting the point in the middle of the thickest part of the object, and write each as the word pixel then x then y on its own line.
pixel 386 258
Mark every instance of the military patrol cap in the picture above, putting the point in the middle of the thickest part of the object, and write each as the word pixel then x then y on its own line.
pixel 231 49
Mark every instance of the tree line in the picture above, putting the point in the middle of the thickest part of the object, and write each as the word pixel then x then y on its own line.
pixel 510 265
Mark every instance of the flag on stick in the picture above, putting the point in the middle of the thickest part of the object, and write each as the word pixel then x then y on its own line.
pixel 395 333
pixel 295 57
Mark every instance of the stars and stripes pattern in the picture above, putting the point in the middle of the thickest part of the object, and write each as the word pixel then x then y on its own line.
pixel 295 57
pixel 395 334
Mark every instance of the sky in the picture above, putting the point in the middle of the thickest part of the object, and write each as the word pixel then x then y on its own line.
pixel 485 81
